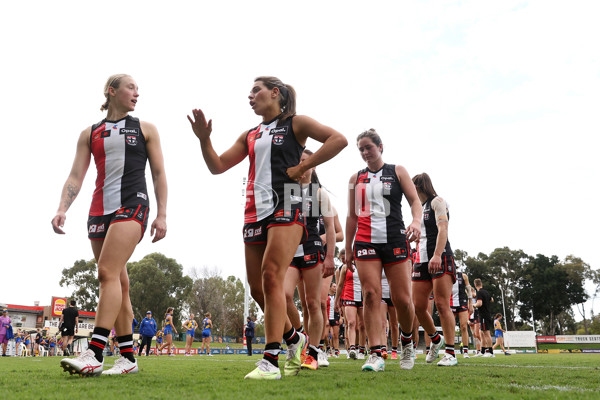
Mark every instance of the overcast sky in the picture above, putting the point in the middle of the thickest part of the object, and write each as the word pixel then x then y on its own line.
pixel 497 101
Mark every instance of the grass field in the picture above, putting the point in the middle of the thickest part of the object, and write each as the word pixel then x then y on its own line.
pixel 520 376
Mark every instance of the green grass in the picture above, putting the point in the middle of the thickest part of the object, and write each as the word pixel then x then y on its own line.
pixel 520 376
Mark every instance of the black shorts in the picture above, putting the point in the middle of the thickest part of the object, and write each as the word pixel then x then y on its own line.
pixel 459 309
pixel 336 319
pixel 308 261
pixel 67 331
pixel 387 253
pixel 486 323
pixel 421 270
pixel 256 232
pixel 352 303
pixel 387 301
pixel 98 224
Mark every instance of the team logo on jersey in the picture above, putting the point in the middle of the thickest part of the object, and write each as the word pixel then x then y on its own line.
pixel 387 187
pixel 131 140
pixel 279 131
pixel 130 131
pixel 278 139
pixel 93 228
pixel 252 138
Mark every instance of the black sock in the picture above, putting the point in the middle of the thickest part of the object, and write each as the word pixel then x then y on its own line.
pixel 126 347
pixel 322 345
pixel 405 338
pixel 301 329
pixel 361 349
pixel 291 337
pixel 98 342
pixel 271 354
pixel 450 350
pixel 435 338
pixel 313 351
pixel 394 349
pixel 376 350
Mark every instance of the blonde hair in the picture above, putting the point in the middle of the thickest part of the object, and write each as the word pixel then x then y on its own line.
pixel 113 81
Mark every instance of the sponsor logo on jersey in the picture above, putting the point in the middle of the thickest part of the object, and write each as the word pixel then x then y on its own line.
pixel 100 229
pixel 318 243
pixel 371 252
pixel 251 232
pixel 416 274
pixel 309 257
pixel 142 195
pixel 105 134
pixel 131 140
pixel 364 180
pixel 93 228
pixel 278 139
pixel 115 126
pixel 130 131
pixel 386 178
pixel 279 131
pixel 278 214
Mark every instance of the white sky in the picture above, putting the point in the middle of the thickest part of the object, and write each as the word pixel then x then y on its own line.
pixel 497 101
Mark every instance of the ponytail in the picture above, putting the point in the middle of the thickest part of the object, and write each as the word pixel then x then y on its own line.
pixel 287 95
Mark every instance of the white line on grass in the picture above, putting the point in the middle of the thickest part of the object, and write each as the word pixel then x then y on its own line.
pixel 551 387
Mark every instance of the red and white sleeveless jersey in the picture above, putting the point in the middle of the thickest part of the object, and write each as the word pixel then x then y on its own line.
pixel 331 306
pixel 272 149
pixel 352 289
pixel 459 295
pixel 119 150
pixel 378 200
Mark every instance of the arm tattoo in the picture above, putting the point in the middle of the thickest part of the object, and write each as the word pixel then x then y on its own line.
pixel 72 192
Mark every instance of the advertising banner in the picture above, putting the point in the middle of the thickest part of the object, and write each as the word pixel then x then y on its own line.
pixel 58 305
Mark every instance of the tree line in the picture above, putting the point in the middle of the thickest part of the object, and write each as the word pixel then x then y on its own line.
pixel 157 282
pixel 536 289
pixel 529 289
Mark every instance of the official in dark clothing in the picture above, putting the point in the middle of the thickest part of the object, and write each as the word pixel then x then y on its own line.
pixel 148 329
pixel 249 333
pixel 69 325
pixel 485 317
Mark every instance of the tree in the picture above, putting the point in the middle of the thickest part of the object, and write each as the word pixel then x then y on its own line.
pixel 578 272
pixel 83 276
pixel 223 298
pixel 156 282
pixel 508 266
pixel 548 291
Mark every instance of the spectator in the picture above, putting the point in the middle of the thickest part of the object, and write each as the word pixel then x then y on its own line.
pixel 4 324
pixel 249 333
pixel 18 340
pixel 147 331
pixel 38 341
pixel 68 326
pixel 52 345
pixel 133 325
